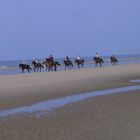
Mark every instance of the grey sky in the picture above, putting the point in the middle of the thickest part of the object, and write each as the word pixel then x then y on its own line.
pixel 37 28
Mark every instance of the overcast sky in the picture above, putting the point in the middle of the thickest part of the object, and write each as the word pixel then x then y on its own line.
pixel 37 28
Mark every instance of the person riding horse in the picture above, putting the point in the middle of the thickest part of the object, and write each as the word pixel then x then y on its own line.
pixel 113 60
pixel 67 58
pixel 98 60
pixel 37 66
pixel 50 64
pixel 51 58
pixel 78 57
pixel 79 61
pixel 68 63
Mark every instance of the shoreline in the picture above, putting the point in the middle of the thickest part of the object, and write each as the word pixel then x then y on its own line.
pixel 14 70
pixel 27 89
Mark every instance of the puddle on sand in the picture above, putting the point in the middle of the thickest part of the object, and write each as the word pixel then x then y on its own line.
pixel 60 102
pixel 135 81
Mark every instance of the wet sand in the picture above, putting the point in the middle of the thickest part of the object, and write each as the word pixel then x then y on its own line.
pixel 109 117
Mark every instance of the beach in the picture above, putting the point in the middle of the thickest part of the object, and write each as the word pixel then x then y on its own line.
pixel 108 117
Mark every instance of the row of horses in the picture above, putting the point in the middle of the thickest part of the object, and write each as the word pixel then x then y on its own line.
pixel 50 65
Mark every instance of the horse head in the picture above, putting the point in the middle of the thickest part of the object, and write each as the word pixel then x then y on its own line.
pixel 33 63
pixel 57 63
pixel 102 61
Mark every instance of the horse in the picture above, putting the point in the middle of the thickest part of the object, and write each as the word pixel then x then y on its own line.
pixel 113 60
pixel 80 62
pixel 24 67
pixel 68 64
pixel 37 66
pixel 98 61
pixel 51 65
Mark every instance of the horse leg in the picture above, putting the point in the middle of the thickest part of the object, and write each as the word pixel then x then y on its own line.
pixel 96 65
pixel 78 66
pixel 37 69
pixel 51 68
pixel 23 71
pixel 72 67
pixel 55 68
pixel 48 69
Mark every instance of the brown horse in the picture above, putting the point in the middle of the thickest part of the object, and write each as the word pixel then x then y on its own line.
pixel 24 67
pixel 98 61
pixel 51 65
pixel 68 64
pixel 113 60
pixel 80 62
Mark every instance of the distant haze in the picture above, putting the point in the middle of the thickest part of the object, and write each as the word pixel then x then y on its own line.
pixel 38 28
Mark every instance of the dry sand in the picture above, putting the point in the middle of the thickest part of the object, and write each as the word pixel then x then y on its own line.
pixel 111 117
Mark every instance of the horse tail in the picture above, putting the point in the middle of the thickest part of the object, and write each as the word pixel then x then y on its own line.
pixel 94 58
pixel 64 62
pixel 57 63
pixel 29 67
pixel 71 63
pixel 19 65
pixel 102 60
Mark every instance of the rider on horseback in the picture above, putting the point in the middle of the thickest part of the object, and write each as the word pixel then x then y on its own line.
pixel 97 56
pixel 23 62
pixel 36 60
pixel 67 58
pixel 78 57
pixel 51 58
pixel 113 57
pixel 98 60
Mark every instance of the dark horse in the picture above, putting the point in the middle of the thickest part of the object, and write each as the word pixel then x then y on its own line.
pixel 37 66
pixel 24 67
pixel 98 61
pixel 68 64
pixel 113 60
pixel 80 62
pixel 51 65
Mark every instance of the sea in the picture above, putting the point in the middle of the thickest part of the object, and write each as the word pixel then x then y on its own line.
pixel 11 67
